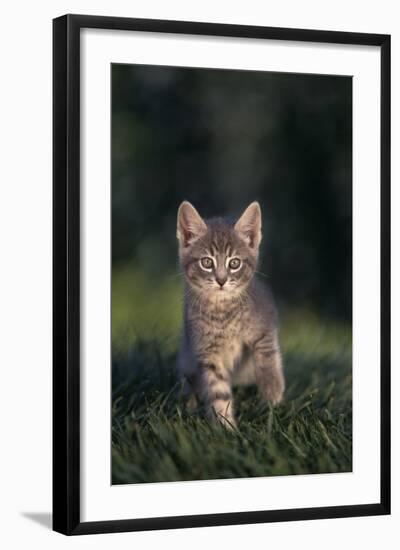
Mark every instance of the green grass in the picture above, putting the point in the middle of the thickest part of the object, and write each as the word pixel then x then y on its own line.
pixel 143 305
pixel 155 439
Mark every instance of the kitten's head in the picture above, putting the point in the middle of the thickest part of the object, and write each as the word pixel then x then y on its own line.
pixel 217 255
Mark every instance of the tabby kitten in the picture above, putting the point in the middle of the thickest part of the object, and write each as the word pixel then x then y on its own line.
pixel 230 334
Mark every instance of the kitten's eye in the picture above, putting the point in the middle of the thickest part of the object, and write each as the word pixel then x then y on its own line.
pixel 207 263
pixel 234 263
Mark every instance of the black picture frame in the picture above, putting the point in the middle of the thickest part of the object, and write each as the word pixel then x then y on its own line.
pixel 66 273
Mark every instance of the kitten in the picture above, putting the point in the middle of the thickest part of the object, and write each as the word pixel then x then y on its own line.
pixel 230 333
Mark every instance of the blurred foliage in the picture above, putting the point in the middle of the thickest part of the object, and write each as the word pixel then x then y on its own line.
pixel 145 307
pixel 221 139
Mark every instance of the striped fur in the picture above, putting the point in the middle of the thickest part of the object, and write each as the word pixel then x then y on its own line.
pixel 230 334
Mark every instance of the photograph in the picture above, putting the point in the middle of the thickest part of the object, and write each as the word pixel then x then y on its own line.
pixel 231 273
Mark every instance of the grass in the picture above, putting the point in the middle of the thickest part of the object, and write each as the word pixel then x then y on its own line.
pixel 155 439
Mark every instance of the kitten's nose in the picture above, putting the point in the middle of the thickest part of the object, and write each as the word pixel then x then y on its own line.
pixel 221 280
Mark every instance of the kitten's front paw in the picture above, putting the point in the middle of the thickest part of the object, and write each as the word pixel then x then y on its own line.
pixel 191 403
pixel 227 422
pixel 221 419
pixel 273 389
pixel 274 395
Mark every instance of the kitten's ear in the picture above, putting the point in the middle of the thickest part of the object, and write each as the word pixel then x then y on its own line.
pixel 190 225
pixel 248 225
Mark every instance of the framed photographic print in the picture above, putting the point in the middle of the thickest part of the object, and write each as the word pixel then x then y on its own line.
pixel 221 274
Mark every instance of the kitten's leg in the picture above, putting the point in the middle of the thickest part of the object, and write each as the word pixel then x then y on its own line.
pixel 268 368
pixel 189 392
pixel 216 392
pixel 188 374
pixel 244 373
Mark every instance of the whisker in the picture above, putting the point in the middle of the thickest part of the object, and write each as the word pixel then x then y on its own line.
pixel 179 274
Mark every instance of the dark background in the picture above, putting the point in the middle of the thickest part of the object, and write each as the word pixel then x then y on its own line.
pixel 221 139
